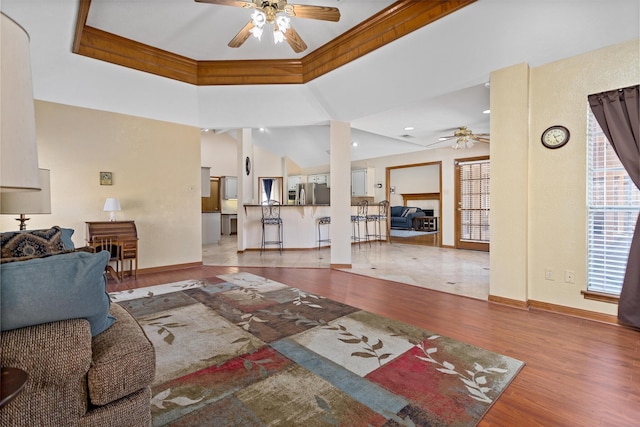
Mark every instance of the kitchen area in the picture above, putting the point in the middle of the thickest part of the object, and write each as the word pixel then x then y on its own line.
pixel 308 190
pixel 305 199
pixel 308 198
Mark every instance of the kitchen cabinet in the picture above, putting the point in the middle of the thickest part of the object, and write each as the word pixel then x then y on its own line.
pixel 230 188
pixel 294 180
pixel 362 182
pixel 210 228
pixel 320 178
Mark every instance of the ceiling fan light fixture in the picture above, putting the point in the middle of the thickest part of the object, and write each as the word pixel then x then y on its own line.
pixel 283 22
pixel 278 36
pixel 280 27
pixel 258 19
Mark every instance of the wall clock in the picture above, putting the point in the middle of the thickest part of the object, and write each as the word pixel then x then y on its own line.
pixel 555 136
pixel 247 165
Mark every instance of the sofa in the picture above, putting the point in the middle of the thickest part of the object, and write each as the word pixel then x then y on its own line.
pixel 88 362
pixel 402 216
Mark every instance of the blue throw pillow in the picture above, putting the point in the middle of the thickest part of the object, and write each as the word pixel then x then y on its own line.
pixel 66 238
pixel 59 287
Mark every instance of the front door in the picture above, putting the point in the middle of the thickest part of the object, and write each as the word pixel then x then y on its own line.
pixel 473 229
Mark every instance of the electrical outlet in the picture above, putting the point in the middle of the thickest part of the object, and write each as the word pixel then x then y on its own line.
pixel 569 276
pixel 548 274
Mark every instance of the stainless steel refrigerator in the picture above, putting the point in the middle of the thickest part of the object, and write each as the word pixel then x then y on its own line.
pixel 313 194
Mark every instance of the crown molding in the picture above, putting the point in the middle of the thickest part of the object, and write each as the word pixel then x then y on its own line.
pixel 392 23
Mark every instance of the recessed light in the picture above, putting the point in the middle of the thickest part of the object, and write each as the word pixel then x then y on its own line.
pixel 486 112
pixel 262 129
pixel 409 128
pixel 355 144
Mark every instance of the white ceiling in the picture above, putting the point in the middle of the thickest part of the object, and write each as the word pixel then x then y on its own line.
pixel 432 79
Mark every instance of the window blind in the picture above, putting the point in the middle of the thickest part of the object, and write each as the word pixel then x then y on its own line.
pixel 613 206
pixel 475 201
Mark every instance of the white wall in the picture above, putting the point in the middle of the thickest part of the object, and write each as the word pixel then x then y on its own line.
pixel 219 152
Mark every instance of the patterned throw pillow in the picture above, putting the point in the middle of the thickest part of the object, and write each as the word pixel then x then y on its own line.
pixel 32 243
pixel 409 211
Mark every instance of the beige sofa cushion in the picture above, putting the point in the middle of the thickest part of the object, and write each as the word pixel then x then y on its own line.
pixel 123 360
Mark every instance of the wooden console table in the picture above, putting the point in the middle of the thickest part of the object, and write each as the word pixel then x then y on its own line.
pixel 118 237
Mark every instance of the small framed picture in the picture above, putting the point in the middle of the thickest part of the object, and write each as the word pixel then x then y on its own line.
pixel 106 178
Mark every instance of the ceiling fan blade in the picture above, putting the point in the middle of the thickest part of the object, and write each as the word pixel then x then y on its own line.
pixel 482 139
pixel 313 12
pixel 236 3
pixel 242 36
pixel 295 41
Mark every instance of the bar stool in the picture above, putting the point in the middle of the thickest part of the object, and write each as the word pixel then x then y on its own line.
pixel 271 217
pixel 325 220
pixel 377 219
pixel 360 217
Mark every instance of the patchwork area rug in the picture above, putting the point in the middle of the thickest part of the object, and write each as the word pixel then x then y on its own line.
pixel 394 232
pixel 242 350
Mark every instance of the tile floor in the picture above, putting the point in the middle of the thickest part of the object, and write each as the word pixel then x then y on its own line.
pixel 455 271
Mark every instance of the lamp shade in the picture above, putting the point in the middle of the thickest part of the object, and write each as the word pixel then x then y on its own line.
pixel 18 149
pixel 28 202
pixel 111 204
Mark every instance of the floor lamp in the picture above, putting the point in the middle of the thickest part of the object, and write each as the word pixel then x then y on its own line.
pixel 24 203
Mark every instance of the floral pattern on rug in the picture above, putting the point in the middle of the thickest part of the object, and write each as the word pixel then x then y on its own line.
pixel 242 350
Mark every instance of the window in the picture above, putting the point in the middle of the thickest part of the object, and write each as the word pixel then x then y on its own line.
pixel 270 189
pixel 613 206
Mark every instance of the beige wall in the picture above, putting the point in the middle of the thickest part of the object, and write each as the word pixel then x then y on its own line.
pixel 555 235
pixel 509 182
pixel 156 177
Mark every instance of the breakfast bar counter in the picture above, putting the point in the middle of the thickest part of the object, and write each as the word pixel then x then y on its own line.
pixel 299 222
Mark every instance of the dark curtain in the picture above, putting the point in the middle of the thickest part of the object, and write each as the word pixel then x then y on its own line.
pixel 267 183
pixel 618 113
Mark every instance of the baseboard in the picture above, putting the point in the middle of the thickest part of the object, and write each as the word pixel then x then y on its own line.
pixel 575 312
pixel 523 305
pixel 314 248
pixel 555 308
pixel 165 268
pixel 338 266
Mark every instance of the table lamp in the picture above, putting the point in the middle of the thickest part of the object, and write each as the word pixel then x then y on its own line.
pixel 111 205
pixel 18 148
pixel 28 202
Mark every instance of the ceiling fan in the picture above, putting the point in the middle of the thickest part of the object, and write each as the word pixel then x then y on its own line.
pixel 464 138
pixel 277 13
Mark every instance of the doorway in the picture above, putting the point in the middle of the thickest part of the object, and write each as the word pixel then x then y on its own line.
pixel 473 202
pixel 417 185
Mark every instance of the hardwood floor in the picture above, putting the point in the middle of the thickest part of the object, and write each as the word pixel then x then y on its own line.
pixel 578 372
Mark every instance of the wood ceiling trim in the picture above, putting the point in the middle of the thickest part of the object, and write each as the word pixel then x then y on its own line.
pixel 392 23
pixel 250 72
pixel 118 50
